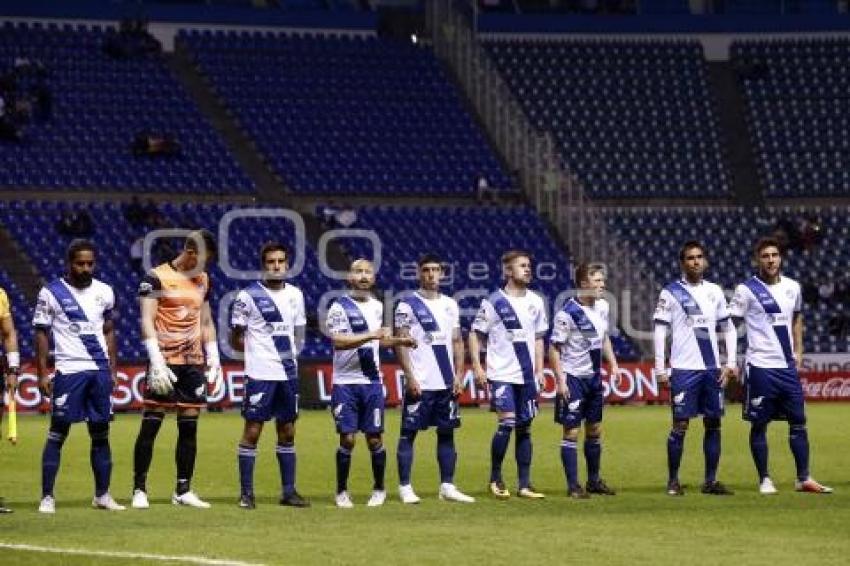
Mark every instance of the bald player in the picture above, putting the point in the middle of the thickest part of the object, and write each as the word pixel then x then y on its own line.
pixel 355 325
pixel 180 338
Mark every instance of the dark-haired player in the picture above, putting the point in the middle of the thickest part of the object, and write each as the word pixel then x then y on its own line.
pixel 433 373
pixel 267 323
pixel 77 309
pixel 770 306
pixel 694 311
pixel 179 335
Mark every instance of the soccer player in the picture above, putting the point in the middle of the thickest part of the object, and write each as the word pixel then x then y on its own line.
pixel 769 304
pixel 267 323
pixel 13 359
pixel 433 377
pixel 513 322
pixel 579 338
pixel 179 336
pixel 354 323
pixel 694 311
pixel 78 309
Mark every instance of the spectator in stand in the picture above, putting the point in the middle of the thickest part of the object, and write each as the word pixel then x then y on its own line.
pixel 75 224
pixel 137 252
pixel 346 217
pixel 155 145
pixel 134 213
pixel 328 213
pixel 826 289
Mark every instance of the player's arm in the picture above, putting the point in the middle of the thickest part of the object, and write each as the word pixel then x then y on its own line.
pixel 459 359
pixel 13 357
pixel 352 341
pixel 300 338
pixel 160 377
pixel 481 326
pixel 558 369
pixel 215 375
pixel 42 322
pixel 111 348
pixel 661 320
pixel 411 382
pixel 797 330
pixel 611 358
pixel 42 348
pixel 237 338
pixel 539 356
pixel 730 340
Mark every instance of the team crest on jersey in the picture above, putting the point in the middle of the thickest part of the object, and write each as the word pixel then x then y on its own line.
pixel 255 398
pixel 74 328
pixel 574 405
pixel 60 401
pixel 679 398
pixel 757 401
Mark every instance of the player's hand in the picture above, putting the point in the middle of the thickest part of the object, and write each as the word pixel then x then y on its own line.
pixel 615 375
pixel 215 380
pixel 726 374
pixel 457 386
pixel 45 385
pixel 562 390
pixel 161 379
pixel 662 377
pixel 413 389
pixel 406 341
pixel 540 378
pixel 480 377
pixel 12 380
pixel 381 333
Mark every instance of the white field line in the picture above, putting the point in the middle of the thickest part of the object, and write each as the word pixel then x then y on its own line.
pixel 138 555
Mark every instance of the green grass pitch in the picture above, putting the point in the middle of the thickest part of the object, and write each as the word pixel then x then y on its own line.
pixel 640 525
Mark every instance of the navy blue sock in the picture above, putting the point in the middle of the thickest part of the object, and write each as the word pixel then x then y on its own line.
pixel 286 463
pixel 758 447
pixel 711 450
pixel 569 458
pixel 798 439
pixel 499 447
pixel 446 455
pixel 343 467
pixel 675 447
pixel 404 456
pixel 52 456
pixel 592 456
pixel 100 457
pixel 523 453
pixel 379 465
pixel 247 456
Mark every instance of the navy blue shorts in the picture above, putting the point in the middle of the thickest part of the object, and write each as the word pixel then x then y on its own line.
pixel 773 394
pixel 82 396
pixel 520 399
pixel 358 408
pixel 695 392
pixel 432 408
pixel 266 399
pixel 585 403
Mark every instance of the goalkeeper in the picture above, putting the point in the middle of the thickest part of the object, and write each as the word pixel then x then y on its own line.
pixel 13 359
pixel 180 339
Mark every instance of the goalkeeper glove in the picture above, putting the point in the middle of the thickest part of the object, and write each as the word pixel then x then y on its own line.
pixel 161 379
pixel 214 374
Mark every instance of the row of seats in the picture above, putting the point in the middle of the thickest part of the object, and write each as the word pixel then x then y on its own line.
pixel 377 105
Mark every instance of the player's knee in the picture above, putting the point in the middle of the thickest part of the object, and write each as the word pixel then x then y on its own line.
pixel 593 431
pixel 571 434
pixel 375 443
pixel 681 426
pixel 445 435
pixel 347 441
pixel 58 431
pixel 285 433
pixel 711 423
pixel 506 425
pixel 99 432
pixel 187 427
